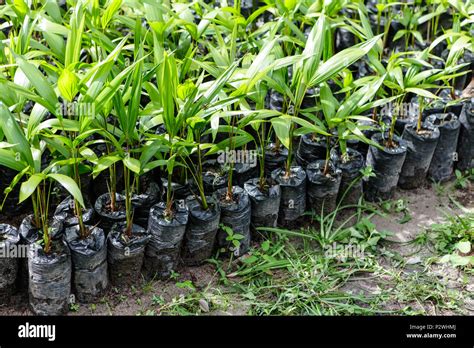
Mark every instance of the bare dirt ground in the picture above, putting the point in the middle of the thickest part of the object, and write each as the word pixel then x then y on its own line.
pixel 425 207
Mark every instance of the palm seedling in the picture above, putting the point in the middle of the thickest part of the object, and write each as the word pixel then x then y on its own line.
pixel 20 156
pixel 310 72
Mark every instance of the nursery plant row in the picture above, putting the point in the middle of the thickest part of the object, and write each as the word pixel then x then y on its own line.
pixel 138 135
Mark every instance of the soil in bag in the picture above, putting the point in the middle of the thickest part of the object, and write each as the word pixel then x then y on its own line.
pixel 310 149
pixel 201 230
pixel 67 209
pixel 142 202
pixel 265 202
pixel 89 261
pixel 275 158
pixel 49 278
pixel 9 240
pixel 108 216
pixel 235 215
pixel 441 167
pixel 166 237
pixel 30 234
pixel 466 138
pixel 420 149
pixel 323 186
pixel 214 176
pixel 293 194
pixel 387 164
pixel 350 189
pixel 125 254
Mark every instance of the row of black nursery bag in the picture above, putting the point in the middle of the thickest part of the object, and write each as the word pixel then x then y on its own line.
pixel 158 244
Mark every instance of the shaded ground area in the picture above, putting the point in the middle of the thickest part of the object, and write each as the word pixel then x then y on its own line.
pixel 398 273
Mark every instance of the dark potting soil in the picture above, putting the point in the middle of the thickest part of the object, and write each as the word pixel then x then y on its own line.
pixel 441 167
pixel 265 203
pixel 50 279
pixel 420 149
pixel 322 188
pixel 201 230
pixel 293 193
pixel 166 238
pixel 274 158
pixel 9 238
pixel 235 214
pixel 125 255
pixel 104 211
pixel 214 176
pixel 89 260
pixel 386 164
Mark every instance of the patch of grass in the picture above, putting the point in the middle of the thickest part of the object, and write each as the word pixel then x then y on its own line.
pixel 281 277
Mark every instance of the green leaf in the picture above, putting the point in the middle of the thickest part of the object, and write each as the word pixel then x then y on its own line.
pixel 104 163
pixel 70 185
pixel 9 159
pixel 29 186
pixel 68 84
pixel 112 7
pixel 39 82
pixel 342 60
pixel 282 126
pixel 328 102
pixel 14 134
pixel 422 92
pixel 74 39
pixel 132 164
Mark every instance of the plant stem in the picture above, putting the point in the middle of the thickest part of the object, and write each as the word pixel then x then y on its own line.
pixel 229 195
pixel 128 202
pixel 328 154
pixel 199 177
